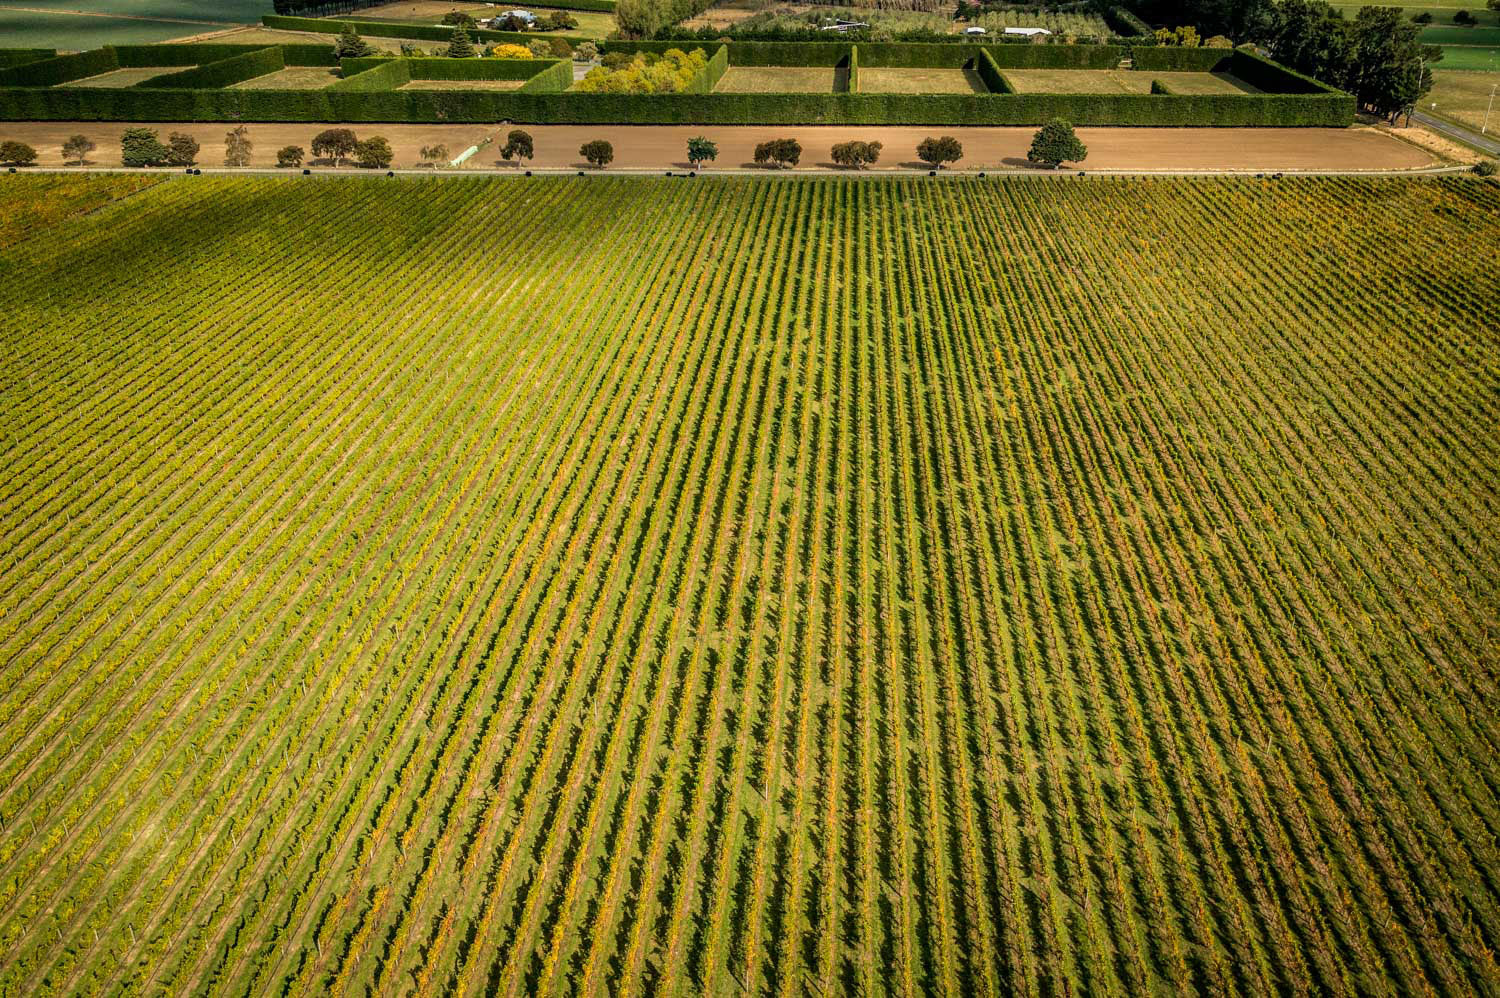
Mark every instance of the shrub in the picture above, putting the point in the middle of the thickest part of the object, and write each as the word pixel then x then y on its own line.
pixel 701 150
pixel 77 148
pixel 1465 18
pixel 373 153
pixel 460 46
pixel 586 52
pixel 856 154
pixel 13 153
pixel 509 51
pixel 646 73
pixel 1218 42
pixel 1056 143
pixel 940 151
pixel 237 147
pixel 1487 168
pixel 459 19
pixel 598 153
pixel 435 154
pixel 518 146
pixel 558 20
pixel 779 153
pixel 560 49
pixel 410 51
pixel 350 46
pixel 537 48
pixel 182 150
pixel 1425 17
pixel 334 144
pixel 141 147
pixel 289 156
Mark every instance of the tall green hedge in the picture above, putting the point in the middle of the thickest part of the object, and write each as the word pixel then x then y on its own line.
pixel 557 77
pixel 1272 77
pixel 1174 58
pixel 456 69
pixel 718 64
pixel 603 6
pixel 20 57
pixel 386 74
pixel 1126 23
pixel 62 69
pixel 1057 56
pixel 190 54
pixel 989 72
pixel 916 55
pixel 854 69
pixel 366 98
pixel 398 29
pixel 224 73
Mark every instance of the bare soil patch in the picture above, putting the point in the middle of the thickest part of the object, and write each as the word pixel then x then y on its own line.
pixel 292 78
pixel 920 81
pixel 777 80
pixel 664 147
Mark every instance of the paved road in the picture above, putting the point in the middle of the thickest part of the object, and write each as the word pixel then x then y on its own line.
pixel 1443 126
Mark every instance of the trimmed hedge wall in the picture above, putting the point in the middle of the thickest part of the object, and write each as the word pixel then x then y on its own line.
pixel 1057 56
pixel 1273 77
pixel 387 74
pixel 917 55
pixel 603 6
pixel 854 69
pixel 556 78
pixel 221 74
pixel 989 72
pixel 456 69
pixel 718 65
pixel 1126 23
pixel 398 29
pixel 62 69
pixel 202 55
pixel 20 57
pixel 1173 58
pixel 381 104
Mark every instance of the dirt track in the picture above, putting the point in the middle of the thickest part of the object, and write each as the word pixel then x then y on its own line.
pixel 663 147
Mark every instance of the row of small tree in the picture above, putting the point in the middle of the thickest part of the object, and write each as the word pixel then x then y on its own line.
pixel 1054 143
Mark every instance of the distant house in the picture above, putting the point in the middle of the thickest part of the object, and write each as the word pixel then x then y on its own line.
pixel 525 16
pixel 975 31
pixel 1028 32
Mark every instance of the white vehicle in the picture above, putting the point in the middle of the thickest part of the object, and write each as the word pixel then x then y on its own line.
pixel 975 31
pixel 1028 32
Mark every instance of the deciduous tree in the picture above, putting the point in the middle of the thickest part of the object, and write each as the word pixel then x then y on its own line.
pixel 701 150
pixel 237 147
pixel 1056 143
pixel 598 153
pixel 940 150
pixel 334 144
pixel 373 153
pixel 77 148
pixel 518 146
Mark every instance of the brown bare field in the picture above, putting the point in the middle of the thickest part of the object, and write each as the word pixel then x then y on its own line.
pixel 463 85
pixel 777 80
pixel 664 147
pixel 124 77
pixel 292 78
pixel 1119 81
pixel 920 81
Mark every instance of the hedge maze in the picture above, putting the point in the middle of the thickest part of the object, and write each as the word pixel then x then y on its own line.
pixel 392 89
